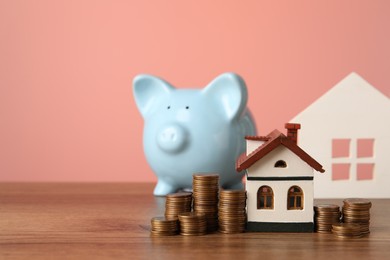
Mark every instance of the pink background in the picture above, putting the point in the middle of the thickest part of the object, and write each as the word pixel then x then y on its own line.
pixel 66 67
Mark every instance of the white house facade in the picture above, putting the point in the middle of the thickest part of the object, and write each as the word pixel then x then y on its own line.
pixel 348 130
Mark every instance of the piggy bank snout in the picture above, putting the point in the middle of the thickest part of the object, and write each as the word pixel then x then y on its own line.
pixel 172 138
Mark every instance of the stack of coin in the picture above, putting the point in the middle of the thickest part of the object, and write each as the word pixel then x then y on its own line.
pixel 205 194
pixel 324 216
pixel 231 213
pixel 177 203
pixel 162 226
pixel 192 224
pixel 357 211
pixel 346 230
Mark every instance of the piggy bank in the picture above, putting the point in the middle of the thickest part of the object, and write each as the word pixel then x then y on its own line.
pixel 191 131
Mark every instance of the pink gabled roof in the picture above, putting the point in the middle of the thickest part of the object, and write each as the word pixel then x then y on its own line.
pixel 273 140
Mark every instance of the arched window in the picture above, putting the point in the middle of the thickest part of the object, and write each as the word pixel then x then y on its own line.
pixel 280 164
pixel 265 198
pixel 295 198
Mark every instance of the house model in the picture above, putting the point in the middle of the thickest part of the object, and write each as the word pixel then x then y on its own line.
pixel 279 182
pixel 352 120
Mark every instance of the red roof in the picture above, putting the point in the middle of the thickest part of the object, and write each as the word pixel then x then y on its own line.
pixel 273 140
pixel 257 138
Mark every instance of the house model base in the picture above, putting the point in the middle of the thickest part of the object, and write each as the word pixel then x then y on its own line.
pixel 279 182
pixel 280 227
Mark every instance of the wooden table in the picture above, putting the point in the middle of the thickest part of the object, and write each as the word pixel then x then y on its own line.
pixel 90 221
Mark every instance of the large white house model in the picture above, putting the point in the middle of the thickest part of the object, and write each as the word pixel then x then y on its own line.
pixel 279 182
pixel 348 130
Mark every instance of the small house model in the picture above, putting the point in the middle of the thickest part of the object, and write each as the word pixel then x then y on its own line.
pixel 279 182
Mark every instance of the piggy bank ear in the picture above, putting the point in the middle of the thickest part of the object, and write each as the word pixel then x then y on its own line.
pixel 148 91
pixel 228 92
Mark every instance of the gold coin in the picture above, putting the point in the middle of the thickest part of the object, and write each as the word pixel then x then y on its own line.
pixel 326 207
pixel 189 215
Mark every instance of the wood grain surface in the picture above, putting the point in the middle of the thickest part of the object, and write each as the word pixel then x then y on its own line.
pixel 112 221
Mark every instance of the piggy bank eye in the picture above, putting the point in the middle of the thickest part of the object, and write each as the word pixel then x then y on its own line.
pixel 187 107
pixel 168 107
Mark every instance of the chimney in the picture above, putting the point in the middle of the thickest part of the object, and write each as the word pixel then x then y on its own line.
pixel 292 131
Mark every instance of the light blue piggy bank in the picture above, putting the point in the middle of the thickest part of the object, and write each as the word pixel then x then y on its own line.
pixel 191 131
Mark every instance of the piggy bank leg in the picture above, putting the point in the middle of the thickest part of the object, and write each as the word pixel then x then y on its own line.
pixel 163 188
